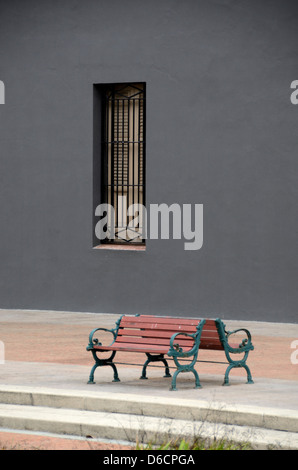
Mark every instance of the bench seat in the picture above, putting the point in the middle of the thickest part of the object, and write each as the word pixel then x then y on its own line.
pixel 175 338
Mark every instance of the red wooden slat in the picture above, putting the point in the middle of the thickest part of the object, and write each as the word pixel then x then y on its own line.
pixel 212 346
pixel 209 327
pixel 164 334
pixel 140 321
pixel 152 334
pixel 157 341
pixel 131 347
pixel 213 336
pixel 147 333
pixel 169 320
pixel 148 326
pixel 149 337
pixel 210 341
pixel 173 320
pixel 159 323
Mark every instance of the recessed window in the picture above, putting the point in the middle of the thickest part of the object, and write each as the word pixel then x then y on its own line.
pixel 123 161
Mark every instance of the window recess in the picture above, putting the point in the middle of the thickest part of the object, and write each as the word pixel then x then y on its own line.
pixel 123 175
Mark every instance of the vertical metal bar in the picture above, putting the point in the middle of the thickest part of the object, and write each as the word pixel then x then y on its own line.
pixel 133 154
pixel 109 154
pixel 122 188
pixel 128 156
pixel 116 183
pixel 107 165
pixel 144 156
pixel 104 161
pixel 105 152
pixel 107 148
pixel 112 146
pixel 139 155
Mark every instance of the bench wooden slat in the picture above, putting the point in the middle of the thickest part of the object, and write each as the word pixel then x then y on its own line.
pixel 166 324
pixel 121 344
pixel 131 347
pixel 157 349
pixel 156 326
pixel 173 320
pixel 158 341
pixel 170 320
pixel 213 346
pixel 210 335
pixel 153 333
pixel 209 343
pixel 164 336
pixel 147 333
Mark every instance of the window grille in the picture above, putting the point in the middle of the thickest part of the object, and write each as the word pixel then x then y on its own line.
pixel 124 160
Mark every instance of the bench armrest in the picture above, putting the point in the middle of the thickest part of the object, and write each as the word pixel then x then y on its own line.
pixel 245 345
pixel 176 351
pixel 94 341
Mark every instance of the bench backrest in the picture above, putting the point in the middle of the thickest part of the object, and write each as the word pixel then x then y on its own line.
pixel 154 330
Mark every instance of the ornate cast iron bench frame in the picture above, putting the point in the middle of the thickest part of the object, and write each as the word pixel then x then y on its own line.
pixel 178 339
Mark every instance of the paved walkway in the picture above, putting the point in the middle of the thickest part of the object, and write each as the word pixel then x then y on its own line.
pixel 48 349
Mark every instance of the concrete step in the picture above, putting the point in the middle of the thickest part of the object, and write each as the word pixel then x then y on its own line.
pixel 148 419
pixel 165 407
pixel 132 428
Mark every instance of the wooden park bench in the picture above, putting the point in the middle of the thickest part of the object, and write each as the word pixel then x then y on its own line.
pixel 164 338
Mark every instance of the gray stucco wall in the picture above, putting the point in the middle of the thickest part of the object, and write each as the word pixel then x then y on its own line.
pixel 221 131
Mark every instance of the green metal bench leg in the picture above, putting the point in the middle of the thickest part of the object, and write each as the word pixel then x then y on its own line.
pixel 233 366
pixel 167 370
pixel 102 363
pixel 91 377
pixel 226 379
pixel 159 358
pixel 249 377
pixel 197 380
pixel 198 384
pixel 144 376
pixel 173 386
pixel 116 377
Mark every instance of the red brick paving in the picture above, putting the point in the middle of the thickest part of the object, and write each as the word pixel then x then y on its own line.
pixel 66 344
pixel 16 441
